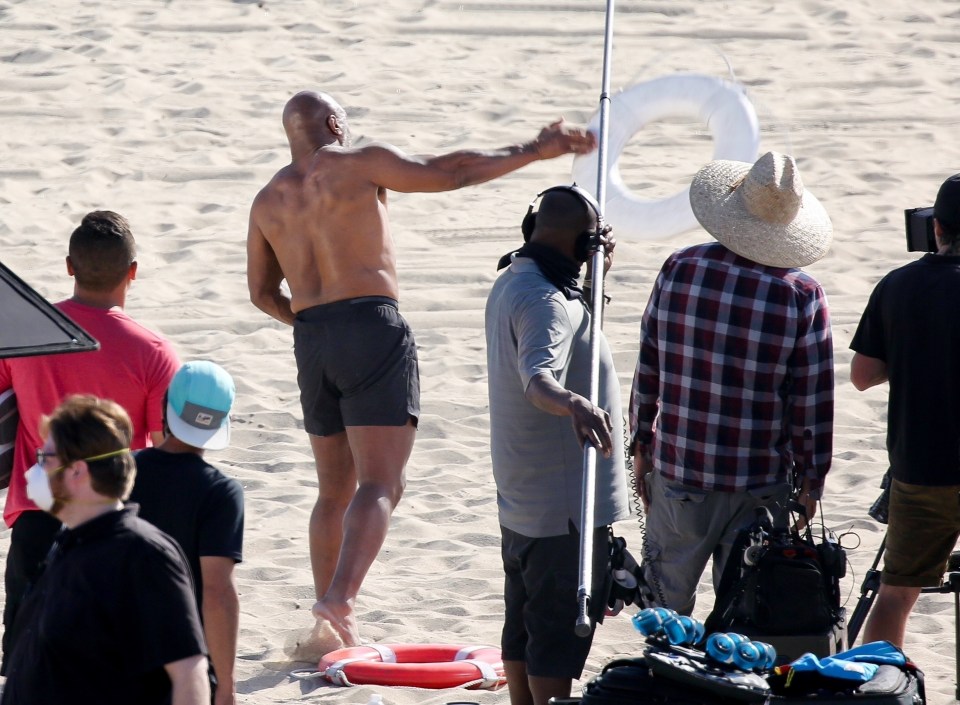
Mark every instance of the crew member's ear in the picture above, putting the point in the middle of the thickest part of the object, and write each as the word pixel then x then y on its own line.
pixel 334 125
pixel 132 272
pixel 75 470
pixel 938 233
pixel 69 266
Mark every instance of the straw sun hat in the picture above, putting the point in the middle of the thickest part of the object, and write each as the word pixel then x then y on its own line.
pixel 760 211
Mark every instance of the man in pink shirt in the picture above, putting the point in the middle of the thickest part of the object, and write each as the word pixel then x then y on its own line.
pixel 133 367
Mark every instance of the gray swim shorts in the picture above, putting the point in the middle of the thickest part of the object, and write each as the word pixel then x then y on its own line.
pixel 356 365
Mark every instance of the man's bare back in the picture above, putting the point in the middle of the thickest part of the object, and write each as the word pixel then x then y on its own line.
pixel 327 226
pixel 321 224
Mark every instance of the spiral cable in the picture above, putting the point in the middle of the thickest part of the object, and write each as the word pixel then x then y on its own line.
pixel 644 549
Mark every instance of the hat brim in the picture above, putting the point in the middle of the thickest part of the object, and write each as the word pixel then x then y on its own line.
pixel 718 205
pixel 198 438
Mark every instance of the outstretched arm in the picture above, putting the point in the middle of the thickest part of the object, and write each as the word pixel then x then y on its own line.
pixel 392 169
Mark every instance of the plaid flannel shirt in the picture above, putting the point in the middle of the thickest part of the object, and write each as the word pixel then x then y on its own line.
pixel 734 381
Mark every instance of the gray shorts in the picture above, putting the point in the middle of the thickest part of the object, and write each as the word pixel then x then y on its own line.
pixel 686 526
pixel 356 365
pixel 542 578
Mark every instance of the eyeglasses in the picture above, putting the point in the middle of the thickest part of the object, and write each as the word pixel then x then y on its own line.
pixel 42 456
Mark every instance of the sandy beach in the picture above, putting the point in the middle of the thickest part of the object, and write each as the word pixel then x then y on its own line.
pixel 169 113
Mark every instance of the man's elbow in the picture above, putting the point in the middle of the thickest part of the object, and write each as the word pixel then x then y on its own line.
pixel 864 381
pixel 220 593
pixel 866 372
pixel 260 299
pixel 460 177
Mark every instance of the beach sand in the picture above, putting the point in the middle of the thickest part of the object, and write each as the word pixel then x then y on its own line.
pixel 169 113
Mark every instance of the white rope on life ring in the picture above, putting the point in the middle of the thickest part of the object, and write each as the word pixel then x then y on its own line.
pixel 719 103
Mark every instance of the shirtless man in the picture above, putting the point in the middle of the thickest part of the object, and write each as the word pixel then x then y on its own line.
pixel 322 224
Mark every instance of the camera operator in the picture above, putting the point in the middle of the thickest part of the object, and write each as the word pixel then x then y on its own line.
pixel 909 336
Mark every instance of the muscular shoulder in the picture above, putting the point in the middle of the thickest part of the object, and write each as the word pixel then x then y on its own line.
pixel 366 164
pixel 328 177
pixel 282 181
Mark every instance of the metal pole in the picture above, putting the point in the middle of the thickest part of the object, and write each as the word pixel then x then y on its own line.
pixel 583 627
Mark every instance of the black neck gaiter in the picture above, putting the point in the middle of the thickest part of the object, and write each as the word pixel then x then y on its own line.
pixel 560 271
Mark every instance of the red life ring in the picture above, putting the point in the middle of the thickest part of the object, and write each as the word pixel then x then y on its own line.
pixel 416 665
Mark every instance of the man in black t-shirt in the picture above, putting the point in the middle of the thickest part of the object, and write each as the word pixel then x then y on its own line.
pixel 909 336
pixel 112 619
pixel 200 507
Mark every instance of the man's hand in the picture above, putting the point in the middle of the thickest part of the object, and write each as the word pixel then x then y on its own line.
pixel 608 242
pixel 808 503
pixel 557 139
pixel 642 466
pixel 591 423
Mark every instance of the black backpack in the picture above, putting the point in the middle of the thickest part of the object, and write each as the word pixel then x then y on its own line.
pixel 779 583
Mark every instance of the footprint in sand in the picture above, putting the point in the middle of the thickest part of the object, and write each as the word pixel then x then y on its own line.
pixel 313 643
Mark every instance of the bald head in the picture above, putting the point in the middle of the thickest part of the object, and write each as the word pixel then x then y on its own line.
pixel 312 120
pixel 564 213
pixel 563 220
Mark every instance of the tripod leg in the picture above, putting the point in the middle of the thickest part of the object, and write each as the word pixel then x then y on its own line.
pixel 956 641
pixel 868 593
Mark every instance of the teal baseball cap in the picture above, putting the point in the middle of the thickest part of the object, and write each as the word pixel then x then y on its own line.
pixel 198 405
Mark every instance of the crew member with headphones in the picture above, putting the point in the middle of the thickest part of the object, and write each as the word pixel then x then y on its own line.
pixel 586 241
pixel 539 367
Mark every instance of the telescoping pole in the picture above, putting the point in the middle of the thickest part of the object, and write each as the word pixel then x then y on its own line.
pixel 583 627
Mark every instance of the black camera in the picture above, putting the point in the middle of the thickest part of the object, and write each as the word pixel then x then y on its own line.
pixel 920 237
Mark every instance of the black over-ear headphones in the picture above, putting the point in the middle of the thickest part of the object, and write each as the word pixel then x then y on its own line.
pixel 586 240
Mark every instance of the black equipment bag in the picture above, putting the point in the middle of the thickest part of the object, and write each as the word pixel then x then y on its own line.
pixel 632 682
pixel 892 685
pixel 675 675
pixel 779 583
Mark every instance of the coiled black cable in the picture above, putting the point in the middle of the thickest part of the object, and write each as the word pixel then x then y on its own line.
pixel 644 549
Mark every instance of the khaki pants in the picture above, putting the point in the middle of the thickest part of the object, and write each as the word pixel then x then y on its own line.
pixel 686 526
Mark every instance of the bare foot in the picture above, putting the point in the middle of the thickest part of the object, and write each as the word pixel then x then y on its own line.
pixel 339 615
pixel 312 644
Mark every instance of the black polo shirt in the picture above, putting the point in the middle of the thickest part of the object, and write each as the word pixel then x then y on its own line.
pixel 114 605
